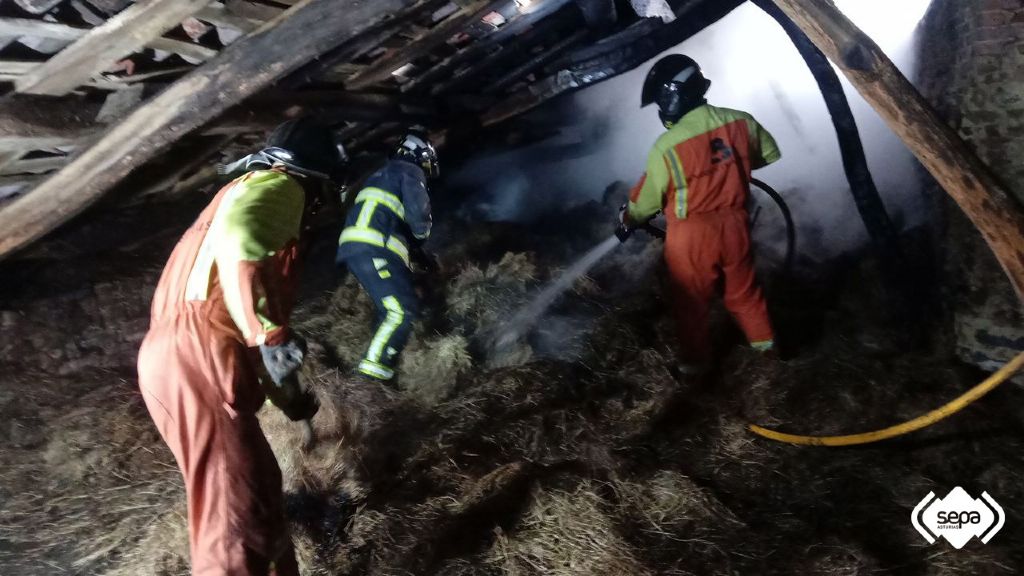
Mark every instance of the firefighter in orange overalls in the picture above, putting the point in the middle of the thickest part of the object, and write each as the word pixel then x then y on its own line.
pixel 698 174
pixel 219 343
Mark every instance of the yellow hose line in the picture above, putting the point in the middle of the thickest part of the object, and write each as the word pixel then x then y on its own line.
pixel 923 421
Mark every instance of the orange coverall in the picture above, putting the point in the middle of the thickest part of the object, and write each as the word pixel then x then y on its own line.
pixel 228 286
pixel 699 173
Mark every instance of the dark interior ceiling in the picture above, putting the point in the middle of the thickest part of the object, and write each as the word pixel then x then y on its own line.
pixel 455 67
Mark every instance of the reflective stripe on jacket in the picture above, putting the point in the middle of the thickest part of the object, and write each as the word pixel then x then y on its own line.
pixel 702 164
pixel 238 259
pixel 389 213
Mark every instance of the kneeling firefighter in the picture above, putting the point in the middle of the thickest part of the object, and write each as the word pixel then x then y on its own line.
pixel 699 174
pixel 218 327
pixel 384 232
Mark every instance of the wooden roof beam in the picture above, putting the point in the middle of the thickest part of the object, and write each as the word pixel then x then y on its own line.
pixel 218 15
pixel 438 35
pixel 508 38
pixel 300 34
pixel 18 27
pixel 957 168
pixel 535 63
pixel 614 55
pixel 124 33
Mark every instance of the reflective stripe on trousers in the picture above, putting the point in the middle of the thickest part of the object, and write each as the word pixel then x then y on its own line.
pixel 389 284
pixel 393 319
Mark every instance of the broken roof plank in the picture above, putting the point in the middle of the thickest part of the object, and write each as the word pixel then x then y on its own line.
pixel 218 15
pixel 438 35
pixel 34 165
pixel 15 71
pixel 613 55
pixel 182 48
pixel 19 27
pixel 252 11
pixel 126 32
pixel 534 63
pixel 300 34
pixel 530 24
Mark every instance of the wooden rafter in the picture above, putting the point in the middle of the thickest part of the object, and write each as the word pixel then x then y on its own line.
pixel 436 37
pixel 252 11
pixel 303 32
pixel 16 27
pixel 608 58
pixel 124 33
pixel 38 123
pixel 512 37
pixel 324 67
pixel 218 15
pixel 535 63
pixel 34 165
pixel 996 214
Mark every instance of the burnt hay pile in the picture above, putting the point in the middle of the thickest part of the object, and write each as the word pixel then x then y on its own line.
pixel 601 464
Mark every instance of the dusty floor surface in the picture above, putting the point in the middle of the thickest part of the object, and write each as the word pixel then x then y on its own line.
pixel 577 451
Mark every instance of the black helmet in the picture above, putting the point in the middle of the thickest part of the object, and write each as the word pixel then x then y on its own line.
pixel 416 148
pixel 677 85
pixel 306 147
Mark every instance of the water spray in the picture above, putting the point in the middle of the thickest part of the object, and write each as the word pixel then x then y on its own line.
pixel 511 331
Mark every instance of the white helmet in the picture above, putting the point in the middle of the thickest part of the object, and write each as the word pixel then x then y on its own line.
pixel 416 148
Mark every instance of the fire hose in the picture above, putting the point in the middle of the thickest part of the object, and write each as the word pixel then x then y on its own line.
pixel 925 420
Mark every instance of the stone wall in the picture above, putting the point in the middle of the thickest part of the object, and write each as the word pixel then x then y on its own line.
pixel 972 70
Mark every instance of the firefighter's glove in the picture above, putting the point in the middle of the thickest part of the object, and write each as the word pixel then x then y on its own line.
pixel 624 229
pixel 285 389
pixel 285 359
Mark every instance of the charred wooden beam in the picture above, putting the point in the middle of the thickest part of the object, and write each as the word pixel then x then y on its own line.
pixel 997 215
pixel 29 117
pixel 315 71
pixel 123 34
pixel 883 233
pixel 505 52
pixel 333 106
pixel 447 65
pixel 218 15
pixel 438 35
pixel 506 39
pixel 612 56
pixel 535 63
pixel 35 123
pixel 300 34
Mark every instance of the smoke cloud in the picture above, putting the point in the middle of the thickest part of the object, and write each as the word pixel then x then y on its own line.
pixel 605 137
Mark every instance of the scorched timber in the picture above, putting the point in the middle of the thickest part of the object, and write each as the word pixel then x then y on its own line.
pixel 300 34
pixel 996 214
